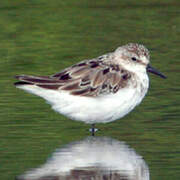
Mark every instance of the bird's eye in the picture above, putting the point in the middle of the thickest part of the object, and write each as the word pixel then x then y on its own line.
pixel 133 58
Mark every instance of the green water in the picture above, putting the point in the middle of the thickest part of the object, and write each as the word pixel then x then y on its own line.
pixel 42 37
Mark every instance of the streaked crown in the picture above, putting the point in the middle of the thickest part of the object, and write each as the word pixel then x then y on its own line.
pixel 132 56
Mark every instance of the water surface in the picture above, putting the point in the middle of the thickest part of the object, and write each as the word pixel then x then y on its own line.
pixel 42 37
pixel 97 158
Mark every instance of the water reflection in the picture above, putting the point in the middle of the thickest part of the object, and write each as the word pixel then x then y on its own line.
pixel 94 158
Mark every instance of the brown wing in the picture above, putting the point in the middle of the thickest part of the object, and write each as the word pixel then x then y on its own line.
pixel 88 78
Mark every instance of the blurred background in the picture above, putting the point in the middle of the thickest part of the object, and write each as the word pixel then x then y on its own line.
pixel 40 37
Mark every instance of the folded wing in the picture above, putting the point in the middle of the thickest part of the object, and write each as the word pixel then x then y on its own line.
pixel 88 78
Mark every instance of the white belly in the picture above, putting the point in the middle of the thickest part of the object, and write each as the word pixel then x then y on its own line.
pixel 98 110
pixel 90 109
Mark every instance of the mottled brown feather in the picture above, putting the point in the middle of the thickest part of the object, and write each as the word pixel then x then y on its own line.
pixel 113 79
pixel 49 86
pixel 81 71
pixel 98 79
pixel 71 86
pixel 88 78
pixel 82 92
pixel 40 81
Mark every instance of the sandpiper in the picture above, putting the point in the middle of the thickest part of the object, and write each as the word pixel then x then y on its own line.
pixel 98 90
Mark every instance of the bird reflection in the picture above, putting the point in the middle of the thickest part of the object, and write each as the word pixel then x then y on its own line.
pixel 94 158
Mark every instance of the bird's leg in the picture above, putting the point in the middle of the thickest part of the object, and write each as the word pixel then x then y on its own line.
pixel 93 129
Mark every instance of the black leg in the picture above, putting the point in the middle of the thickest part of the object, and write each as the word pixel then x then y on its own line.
pixel 93 129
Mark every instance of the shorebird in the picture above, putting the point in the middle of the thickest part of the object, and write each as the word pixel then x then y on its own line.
pixel 97 90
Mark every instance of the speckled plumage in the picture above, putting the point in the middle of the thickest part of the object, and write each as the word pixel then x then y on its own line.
pixel 88 78
pixel 102 89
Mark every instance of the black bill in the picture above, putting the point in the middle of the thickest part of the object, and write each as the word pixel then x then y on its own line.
pixel 155 71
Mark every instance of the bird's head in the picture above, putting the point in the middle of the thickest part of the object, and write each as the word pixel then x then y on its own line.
pixel 135 58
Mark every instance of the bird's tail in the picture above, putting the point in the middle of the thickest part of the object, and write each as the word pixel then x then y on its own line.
pixel 41 81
